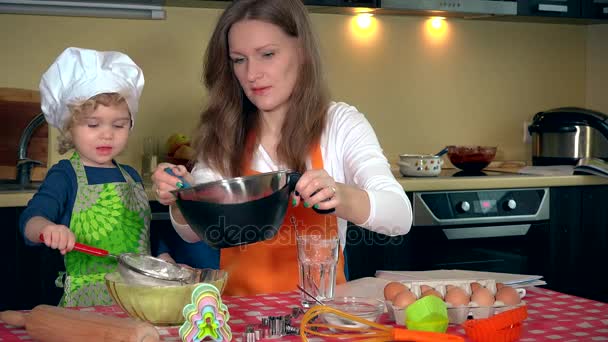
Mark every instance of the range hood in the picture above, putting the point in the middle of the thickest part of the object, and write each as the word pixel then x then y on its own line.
pixel 468 9
pixel 127 9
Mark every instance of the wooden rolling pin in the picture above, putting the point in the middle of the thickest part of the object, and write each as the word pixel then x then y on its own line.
pixel 53 324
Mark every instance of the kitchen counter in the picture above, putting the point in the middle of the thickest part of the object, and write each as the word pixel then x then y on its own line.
pixel 510 180
pixel 20 198
pixel 551 316
pixel 15 199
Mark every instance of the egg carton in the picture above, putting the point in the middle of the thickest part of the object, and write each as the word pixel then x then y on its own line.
pixel 456 315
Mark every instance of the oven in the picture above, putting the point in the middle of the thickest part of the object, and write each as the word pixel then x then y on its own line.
pixel 497 230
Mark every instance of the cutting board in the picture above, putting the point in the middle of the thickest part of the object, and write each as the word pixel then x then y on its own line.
pixel 17 108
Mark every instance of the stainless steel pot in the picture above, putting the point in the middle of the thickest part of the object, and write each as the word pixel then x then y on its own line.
pixel 238 211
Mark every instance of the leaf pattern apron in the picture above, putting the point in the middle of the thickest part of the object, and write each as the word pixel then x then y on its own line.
pixel 112 216
pixel 272 265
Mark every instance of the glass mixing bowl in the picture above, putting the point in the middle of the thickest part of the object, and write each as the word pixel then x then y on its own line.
pixel 471 158
pixel 367 308
pixel 159 304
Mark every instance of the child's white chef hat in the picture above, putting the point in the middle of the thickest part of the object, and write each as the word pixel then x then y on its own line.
pixel 79 74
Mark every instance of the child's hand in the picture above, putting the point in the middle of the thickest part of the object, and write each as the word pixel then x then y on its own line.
pixel 57 236
pixel 164 182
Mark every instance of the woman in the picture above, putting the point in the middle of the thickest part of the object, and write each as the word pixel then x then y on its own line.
pixel 269 110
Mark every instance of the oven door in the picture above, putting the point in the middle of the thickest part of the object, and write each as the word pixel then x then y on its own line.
pixel 498 230
pixel 509 248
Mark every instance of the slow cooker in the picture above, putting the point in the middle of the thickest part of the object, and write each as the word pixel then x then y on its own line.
pixel 562 136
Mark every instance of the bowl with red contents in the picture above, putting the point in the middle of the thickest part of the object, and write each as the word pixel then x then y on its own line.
pixel 471 158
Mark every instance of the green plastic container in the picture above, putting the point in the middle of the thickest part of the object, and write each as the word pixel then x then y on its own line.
pixel 428 313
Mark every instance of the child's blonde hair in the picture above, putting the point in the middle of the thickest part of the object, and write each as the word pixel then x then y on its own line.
pixel 82 110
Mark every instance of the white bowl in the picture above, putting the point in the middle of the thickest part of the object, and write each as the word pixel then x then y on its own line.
pixel 417 165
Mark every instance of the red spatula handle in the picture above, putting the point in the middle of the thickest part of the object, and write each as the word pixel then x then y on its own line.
pixel 86 249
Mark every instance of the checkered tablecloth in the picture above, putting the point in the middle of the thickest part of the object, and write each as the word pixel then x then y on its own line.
pixel 553 316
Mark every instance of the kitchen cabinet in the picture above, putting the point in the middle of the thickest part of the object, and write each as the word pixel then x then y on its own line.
pixel 335 3
pixel 367 251
pixel 29 272
pixel 579 241
pixel 550 8
pixel 567 9
pixel 343 3
pixel 595 9
pixel 7 253
pixel 579 12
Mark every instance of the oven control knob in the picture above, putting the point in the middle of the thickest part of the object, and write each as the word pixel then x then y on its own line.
pixel 510 205
pixel 463 206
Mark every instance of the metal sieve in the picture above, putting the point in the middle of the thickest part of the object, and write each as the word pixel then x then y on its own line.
pixel 148 270
pixel 143 269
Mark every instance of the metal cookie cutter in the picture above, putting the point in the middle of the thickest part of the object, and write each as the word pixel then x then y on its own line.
pixel 273 327
pixel 251 334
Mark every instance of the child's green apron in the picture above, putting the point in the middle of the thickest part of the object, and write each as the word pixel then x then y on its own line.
pixel 110 216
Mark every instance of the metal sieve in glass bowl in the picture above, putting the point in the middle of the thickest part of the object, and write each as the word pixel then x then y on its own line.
pixel 148 270
pixel 144 269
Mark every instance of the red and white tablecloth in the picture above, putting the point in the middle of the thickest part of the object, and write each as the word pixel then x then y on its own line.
pixel 553 316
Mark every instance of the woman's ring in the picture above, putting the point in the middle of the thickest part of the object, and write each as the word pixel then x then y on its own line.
pixel 333 188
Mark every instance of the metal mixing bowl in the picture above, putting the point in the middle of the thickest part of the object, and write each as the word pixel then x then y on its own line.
pixel 238 211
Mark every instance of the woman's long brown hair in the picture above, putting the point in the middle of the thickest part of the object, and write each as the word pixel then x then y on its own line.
pixel 222 131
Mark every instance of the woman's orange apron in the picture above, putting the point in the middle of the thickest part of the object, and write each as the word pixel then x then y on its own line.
pixel 272 265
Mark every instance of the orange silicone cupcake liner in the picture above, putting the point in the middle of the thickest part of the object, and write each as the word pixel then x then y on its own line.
pixel 503 327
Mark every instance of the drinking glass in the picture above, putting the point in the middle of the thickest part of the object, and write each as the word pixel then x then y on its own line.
pixel 317 261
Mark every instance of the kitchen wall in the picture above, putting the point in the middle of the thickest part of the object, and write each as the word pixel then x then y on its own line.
pixel 597 67
pixel 476 83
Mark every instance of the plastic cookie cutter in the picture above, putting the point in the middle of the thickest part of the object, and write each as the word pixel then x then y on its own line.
pixel 206 316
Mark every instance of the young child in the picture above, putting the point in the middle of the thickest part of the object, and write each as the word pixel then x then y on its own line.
pixel 92 98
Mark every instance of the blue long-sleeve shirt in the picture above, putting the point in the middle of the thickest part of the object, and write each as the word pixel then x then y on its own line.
pixel 164 239
pixel 57 193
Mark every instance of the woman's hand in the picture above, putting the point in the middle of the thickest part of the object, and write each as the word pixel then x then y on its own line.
pixel 57 236
pixel 317 189
pixel 164 182
pixel 166 257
